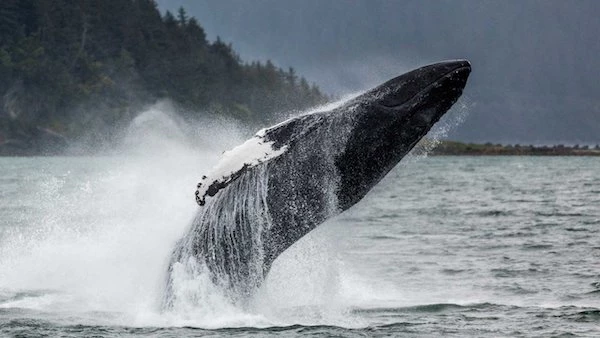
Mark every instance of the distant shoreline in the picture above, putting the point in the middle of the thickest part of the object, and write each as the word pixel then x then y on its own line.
pixel 443 148
pixel 453 148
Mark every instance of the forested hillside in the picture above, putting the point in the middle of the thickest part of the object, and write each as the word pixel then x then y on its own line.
pixel 80 70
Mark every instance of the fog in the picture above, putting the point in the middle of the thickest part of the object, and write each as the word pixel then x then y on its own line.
pixel 535 63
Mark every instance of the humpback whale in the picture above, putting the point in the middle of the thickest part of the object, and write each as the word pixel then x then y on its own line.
pixel 269 192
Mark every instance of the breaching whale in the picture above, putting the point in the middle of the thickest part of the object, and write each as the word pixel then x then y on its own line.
pixel 269 192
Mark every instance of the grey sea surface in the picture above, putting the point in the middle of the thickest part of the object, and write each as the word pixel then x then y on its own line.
pixel 443 246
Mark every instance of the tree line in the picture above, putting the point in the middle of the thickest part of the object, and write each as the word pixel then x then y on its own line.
pixel 81 69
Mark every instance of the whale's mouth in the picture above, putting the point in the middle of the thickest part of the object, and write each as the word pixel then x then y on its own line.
pixel 437 98
pixel 417 85
pixel 427 105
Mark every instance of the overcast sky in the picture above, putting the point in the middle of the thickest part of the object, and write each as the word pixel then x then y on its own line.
pixel 535 63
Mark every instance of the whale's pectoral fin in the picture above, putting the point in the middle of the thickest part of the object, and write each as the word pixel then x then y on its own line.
pixel 268 144
pixel 205 189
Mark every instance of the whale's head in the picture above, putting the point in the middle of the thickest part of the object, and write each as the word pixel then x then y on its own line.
pixel 389 120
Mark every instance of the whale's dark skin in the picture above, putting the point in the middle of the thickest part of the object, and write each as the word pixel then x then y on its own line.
pixel 331 161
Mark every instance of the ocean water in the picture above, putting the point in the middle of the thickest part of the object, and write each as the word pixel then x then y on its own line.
pixel 443 246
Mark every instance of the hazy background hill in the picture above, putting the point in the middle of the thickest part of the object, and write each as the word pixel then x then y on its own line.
pixel 78 72
pixel 535 63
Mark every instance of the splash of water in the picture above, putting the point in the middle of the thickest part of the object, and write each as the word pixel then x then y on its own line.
pixel 96 232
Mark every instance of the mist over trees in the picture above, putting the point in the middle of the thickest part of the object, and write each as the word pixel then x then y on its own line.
pixel 83 69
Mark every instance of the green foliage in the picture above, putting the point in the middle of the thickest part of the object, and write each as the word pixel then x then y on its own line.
pixel 82 67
